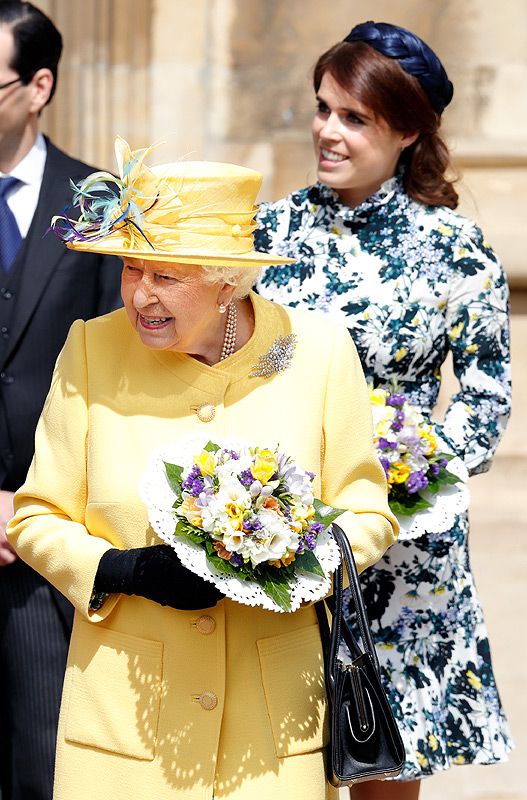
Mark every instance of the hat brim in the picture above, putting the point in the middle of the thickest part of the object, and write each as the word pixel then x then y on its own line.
pixel 253 258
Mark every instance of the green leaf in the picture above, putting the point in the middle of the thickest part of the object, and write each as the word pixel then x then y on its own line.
pixel 174 474
pixel 445 476
pixel 211 447
pixel 408 507
pixel 221 565
pixel 187 530
pixel 279 592
pixel 308 562
pixel 434 485
pixel 326 514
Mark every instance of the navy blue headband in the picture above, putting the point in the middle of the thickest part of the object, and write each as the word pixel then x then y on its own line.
pixel 414 56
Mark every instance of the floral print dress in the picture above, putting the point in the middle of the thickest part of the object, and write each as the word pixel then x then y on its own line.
pixel 412 282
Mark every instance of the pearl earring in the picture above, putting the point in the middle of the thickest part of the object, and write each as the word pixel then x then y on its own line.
pixel 222 308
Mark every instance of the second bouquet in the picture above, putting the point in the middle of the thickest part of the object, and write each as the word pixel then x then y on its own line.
pixel 245 518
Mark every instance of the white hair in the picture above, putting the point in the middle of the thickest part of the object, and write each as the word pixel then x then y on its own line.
pixel 243 278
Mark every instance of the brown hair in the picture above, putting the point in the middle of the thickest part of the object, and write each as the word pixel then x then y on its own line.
pixel 383 86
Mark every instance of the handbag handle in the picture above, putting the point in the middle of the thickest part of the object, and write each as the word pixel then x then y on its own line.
pixel 339 628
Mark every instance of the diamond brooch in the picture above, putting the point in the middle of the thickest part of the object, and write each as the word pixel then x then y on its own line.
pixel 277 359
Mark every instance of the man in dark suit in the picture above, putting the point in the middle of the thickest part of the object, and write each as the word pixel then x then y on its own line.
pixel 43 289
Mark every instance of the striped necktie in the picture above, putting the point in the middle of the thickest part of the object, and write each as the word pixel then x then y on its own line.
pixel 10 237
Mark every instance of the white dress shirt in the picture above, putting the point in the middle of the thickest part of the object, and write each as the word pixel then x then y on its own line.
pixel 23 199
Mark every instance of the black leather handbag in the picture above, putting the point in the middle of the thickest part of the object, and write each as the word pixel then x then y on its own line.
pixel 365 743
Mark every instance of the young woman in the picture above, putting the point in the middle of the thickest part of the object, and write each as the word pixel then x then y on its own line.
pixel 377 244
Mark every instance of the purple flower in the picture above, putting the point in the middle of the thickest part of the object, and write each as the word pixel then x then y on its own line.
pixel 443 462
pixel 193 483
pixel 385 444
pixel 252 524
pixel 236 560
pixel 434 469
pixel 416 482
pixel 310 540
pixel 385 464
pixel 310 474
pixel 398 421
pixel 246 478
pixel 233 454
pixel 316 528
pixel 395 400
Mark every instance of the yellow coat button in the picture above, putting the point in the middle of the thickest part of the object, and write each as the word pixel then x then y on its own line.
pixel 208 701
pixel 206 624
pixel 205 412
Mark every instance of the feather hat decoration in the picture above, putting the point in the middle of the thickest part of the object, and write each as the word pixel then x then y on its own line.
pixel 196 212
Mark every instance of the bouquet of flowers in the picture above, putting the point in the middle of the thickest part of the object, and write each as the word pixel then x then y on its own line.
pixel 407 446
pixel 251 513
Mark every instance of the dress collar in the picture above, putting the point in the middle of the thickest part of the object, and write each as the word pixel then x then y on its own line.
pixel 326 196
pixel 270 322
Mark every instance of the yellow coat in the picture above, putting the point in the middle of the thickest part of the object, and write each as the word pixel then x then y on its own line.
pixel 181 705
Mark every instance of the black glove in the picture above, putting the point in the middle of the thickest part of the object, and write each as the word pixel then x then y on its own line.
pixel 157 574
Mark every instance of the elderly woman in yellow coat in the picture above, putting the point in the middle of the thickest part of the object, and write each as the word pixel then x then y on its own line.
pixel 172 690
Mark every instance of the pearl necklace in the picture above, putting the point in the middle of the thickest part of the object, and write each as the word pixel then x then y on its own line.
pixel 231 327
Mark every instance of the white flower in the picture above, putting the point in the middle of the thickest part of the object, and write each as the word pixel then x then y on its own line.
pixel 274 542
pixel 299 485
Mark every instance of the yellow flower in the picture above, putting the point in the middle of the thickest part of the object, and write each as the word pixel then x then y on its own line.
pixel 264 467
pixel 416 320
pixel 335 230
pixel 459 760
pixel 190 510
pixel 284 562
pixel 488 283
pixel 472 348
pixel 205 462
pixel 455 333
pixel 446 230
pixel 236 515
pixel 301 517
pixel 378 397
pixel 426 435
pixel 398 473
pixel 438 589
pixel 422 759
pixel 432 741
pixel 473 679
pixel 400 354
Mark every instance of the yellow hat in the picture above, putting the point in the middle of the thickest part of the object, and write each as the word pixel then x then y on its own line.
pixel 190 212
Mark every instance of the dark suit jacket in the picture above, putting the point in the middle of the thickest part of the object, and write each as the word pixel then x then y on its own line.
pixel 57 286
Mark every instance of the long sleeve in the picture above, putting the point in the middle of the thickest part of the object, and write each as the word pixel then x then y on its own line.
pixel 478 332
pixel 352 476
pixel 48 529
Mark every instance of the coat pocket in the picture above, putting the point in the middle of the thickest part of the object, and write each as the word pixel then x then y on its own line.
pixel 293 681
pixel 114 692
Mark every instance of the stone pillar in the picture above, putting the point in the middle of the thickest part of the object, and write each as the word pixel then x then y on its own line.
pixel 103 86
